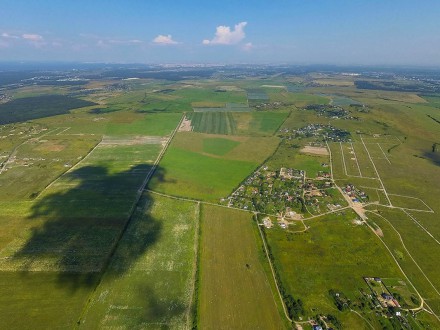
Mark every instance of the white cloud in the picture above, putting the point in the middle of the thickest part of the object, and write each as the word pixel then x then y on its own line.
pixel 32 37
pixel 225 36
pixel 248 46
pixel 165 40
pixel 9 36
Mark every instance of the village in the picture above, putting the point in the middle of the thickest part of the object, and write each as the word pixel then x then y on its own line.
pixel 287 194
pixel 380 300
pixel 321 131
pixel 331 111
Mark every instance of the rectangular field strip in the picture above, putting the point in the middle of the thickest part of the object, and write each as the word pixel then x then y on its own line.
pixel 213 122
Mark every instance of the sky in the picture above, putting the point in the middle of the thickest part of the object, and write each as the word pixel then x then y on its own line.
pixel 341 32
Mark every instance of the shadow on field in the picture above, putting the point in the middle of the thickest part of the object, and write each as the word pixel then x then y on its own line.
pixel 156 308
pixel 434 157
pixel 82 225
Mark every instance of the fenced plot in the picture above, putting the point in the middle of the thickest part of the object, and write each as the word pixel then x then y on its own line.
pixel 364 160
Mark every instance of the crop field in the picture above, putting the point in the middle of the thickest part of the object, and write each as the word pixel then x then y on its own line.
pixel 234 292
pixel 191 162
pixel 149 283
pixel 259 123
pixel 233 123
pixel 213 122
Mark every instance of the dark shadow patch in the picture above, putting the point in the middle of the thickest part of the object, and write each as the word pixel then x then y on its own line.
pixel 83 226
pixel 434 157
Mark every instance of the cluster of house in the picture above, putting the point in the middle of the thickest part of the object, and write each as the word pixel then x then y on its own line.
pixel 269 191
pixel 385 298
pixel 269 105
pixel 325 132
pixel 326 110
pixel 356 195
pixel 5 98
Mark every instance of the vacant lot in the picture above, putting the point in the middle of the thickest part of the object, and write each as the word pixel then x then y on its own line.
pixel 315 150
pixel 234 291
pixel 149 282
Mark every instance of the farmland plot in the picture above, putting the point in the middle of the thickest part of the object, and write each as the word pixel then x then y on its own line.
pixel 149 282
pixel 235 292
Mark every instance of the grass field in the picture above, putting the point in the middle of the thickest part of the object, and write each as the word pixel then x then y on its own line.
pixel 262 123
pixel 149 282
pixel 219 146
pixel 192 168
pixel 333 254
pixel 234 291
pixel 189 174
pixel 141 124
pixel 41 300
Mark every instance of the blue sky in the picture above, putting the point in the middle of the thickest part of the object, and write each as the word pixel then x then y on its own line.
pixel 344 32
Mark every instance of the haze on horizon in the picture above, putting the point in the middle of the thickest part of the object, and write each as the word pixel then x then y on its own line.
pixel 297 32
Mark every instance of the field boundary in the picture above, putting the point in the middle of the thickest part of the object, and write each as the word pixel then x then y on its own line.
pixel 192 314
pixel 286 314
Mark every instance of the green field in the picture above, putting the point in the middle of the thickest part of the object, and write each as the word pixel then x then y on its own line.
pixel 234 291
pixel 150 281
pixel 333 254
pixel 70 179
pixel 190 174
pixel 42 300
pixel 219 146
pixel 237 123
pixel 213 122
pixel 192 168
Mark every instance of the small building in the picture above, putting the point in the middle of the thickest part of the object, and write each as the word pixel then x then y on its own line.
pixel 386 296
